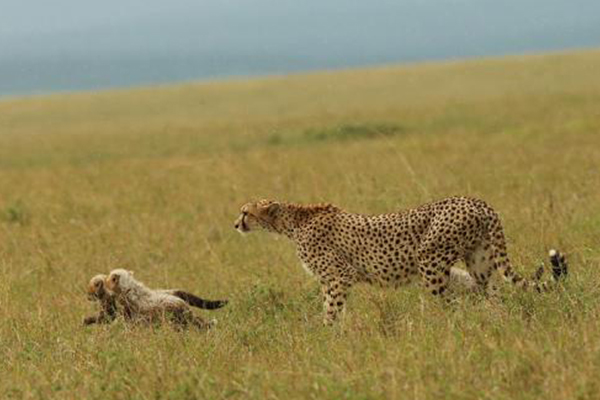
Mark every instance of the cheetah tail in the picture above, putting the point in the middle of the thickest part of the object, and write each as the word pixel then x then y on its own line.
pixel 502 263
pixel 559 273
pixel 196 301
pixel 560 268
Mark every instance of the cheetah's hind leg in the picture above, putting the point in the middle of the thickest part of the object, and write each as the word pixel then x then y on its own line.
pixel 435 273
pixel 181 319
pixel 202 324
pixel 480 264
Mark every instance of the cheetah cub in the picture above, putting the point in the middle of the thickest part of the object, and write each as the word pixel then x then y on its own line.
pixel 342 248
pixel 147 305
pixel 98 291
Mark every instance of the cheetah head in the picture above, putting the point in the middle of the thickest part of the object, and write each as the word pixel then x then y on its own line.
pixel 257 215
pixel 119 280
pixel 96 288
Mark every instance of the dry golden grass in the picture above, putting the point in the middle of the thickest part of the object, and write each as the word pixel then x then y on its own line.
pixel 152 179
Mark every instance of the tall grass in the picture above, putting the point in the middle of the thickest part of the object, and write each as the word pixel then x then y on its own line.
pixel 152 179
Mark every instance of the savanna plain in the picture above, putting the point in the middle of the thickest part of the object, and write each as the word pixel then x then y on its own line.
pixel 152 179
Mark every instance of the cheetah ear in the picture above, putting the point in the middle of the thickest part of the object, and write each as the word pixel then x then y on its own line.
pixel 272 208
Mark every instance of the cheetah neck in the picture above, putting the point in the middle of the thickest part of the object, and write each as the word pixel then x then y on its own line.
pixel 294 217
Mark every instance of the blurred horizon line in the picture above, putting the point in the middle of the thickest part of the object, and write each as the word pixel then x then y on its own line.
pixel 5 97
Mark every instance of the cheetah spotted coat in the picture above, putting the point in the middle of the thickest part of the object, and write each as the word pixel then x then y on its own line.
pixel 342 248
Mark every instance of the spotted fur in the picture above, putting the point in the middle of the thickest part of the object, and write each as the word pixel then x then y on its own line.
pixel 342 248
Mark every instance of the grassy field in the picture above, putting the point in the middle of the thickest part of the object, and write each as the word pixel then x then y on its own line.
pixel 152 180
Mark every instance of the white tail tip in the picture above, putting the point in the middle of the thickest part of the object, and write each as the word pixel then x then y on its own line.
pixel 552 253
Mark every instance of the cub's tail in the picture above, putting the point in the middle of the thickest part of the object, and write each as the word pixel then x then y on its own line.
pixel 196 301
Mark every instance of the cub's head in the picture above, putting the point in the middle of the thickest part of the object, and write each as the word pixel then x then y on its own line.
pixel 258 215
pixel 119 280
pixel 97 288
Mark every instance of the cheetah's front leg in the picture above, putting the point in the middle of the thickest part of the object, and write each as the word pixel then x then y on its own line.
pixel 335 293
pixel 334 301
pixel 336 278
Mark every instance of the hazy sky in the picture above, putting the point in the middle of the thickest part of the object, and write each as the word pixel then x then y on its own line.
pixel 78 44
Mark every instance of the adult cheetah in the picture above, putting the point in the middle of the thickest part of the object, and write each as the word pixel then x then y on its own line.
pixel 343 248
